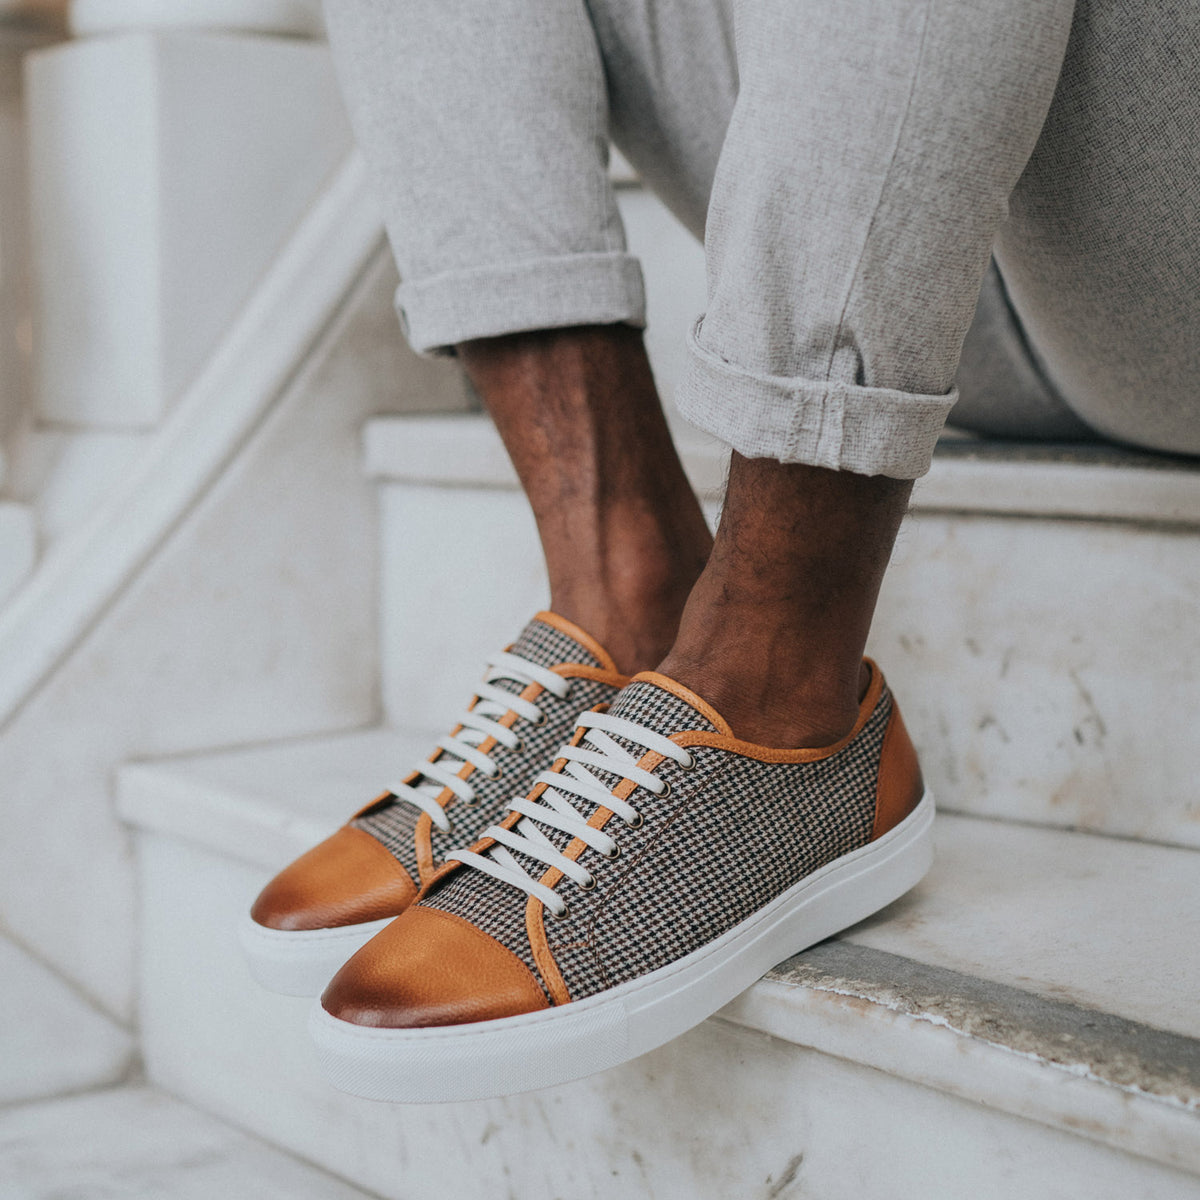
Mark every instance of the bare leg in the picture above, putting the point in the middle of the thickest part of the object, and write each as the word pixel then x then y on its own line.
pixel 621 529
pixel 773 633
pixel 775 623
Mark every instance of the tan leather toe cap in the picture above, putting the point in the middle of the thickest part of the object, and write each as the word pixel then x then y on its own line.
pixel 432 968
pixel 346 879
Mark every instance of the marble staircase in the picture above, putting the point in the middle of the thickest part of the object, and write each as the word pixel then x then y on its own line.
pixel 1022 1024
pixel 251 553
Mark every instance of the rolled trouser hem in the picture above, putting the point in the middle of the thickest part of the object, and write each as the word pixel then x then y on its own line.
pixel 822 423
pixel 538 293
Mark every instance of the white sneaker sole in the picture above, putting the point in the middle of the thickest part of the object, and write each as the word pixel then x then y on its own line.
pixel 553 1046
pixel 301 962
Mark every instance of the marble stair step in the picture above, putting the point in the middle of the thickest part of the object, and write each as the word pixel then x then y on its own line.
pixel 1040 622
pixel 136 1143
pixel 1034 996
pixel 265 804
pixel 52 1039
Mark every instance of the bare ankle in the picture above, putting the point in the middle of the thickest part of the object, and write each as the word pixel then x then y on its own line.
pixel 633 600
pixel 623 534
pixel 636 642
pixel 773 633
pixel 767 700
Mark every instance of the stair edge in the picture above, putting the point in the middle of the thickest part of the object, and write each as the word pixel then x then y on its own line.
pixel 957 1033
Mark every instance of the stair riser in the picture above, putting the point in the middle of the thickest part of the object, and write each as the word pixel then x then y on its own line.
pixel 1047 669
pixel 658 1127
pixel 461 573
pixel 1043 665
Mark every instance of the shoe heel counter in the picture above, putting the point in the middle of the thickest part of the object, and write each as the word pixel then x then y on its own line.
pixel 899 787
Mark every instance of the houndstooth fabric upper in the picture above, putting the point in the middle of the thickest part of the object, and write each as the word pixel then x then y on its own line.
pixel 740 833
pixel 732 834
pixel 500 909
pixel 393 822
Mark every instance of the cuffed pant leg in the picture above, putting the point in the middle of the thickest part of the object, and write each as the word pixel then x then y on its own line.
pixel 864 174
pixel 485 128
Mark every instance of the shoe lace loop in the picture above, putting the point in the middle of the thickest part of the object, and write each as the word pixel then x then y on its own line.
pixel 480 722
pixel 553 810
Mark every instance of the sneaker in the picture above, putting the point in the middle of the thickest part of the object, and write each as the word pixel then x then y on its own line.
pixel 317 912
pixel 657 869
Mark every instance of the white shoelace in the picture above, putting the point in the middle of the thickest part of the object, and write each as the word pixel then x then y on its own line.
pixel 478 724
pixel 553 810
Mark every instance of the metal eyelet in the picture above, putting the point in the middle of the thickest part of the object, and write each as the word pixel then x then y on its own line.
pixel 519 748
pixel 590 886
pixel 690 765
pixel 561 916
pixel 666 790
pixel 614 853
pixel 543 719
pixel 637 822
pixel 498 775
pixel 474 802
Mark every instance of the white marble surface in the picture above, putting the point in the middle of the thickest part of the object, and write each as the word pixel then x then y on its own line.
pixel 266 804
pixel 1049 670
pixel 1166 492
pixel 1106 923
pixel 180 164
pixel 137 1144
pixel 51 1039
pixel 253 619
pixel 723 1112
pixel 461 574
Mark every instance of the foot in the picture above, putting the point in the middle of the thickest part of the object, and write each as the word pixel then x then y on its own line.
pixel 660 867
pixel 319 910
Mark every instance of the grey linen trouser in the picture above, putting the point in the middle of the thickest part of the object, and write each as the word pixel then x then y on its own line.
pixel 852 166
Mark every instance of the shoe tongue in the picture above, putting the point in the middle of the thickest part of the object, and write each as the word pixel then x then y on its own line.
pixel 664 706
pixel 549 645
